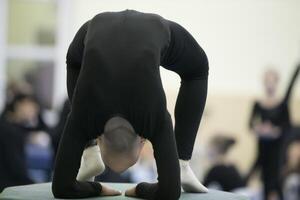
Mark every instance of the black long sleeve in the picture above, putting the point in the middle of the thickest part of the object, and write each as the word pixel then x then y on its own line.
pixel 76 133
pixel 70 150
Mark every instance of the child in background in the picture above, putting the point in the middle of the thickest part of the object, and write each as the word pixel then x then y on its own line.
pixel 223 175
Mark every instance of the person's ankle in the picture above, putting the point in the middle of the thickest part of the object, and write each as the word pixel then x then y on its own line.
pixel 184 163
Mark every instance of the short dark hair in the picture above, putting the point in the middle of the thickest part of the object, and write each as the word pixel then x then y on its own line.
pixel 11 106
pixel 223 143
pixel 121 139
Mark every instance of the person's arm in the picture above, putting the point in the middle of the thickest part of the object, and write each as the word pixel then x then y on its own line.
pixel 166 157
pixel 185 57
pixel 292 83
pixel 68 158
pixel 74 59
pixel 253 168
pixel 76 132
pixel 253 116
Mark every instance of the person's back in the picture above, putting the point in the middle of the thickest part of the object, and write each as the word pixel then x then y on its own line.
pixel 121 59
pixel 125 48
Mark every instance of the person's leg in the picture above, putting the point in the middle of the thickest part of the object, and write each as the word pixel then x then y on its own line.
pixel 270 170
pixel 188 112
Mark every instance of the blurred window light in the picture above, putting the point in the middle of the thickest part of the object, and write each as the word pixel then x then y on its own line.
pixel 31 22
pixel 32 76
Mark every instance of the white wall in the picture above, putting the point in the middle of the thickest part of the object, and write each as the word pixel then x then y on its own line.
pixel 241 37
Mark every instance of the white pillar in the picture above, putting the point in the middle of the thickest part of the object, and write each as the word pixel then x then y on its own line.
pixel 62 41
pixel 3 49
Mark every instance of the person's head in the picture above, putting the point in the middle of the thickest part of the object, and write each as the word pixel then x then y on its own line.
pixel 271 79
pixel 219 146
pixel 120 146
pixel 23 109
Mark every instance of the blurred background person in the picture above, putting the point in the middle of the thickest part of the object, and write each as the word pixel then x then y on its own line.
pixel 25 151
pixel 21 127
pixel 270 122
pixel 13 168
pixel 223 174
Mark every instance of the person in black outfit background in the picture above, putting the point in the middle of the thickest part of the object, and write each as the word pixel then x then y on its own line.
pixel 223 174
pixel 19 119
pixel 13 169
pixel 270 121
pixel 113 75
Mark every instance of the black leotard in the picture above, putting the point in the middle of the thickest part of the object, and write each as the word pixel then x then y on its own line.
pixel 113 69
pixel 277 115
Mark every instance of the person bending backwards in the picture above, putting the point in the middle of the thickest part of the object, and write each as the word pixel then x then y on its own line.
pixel 116 95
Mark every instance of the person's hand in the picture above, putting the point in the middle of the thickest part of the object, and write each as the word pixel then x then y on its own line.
pixel 130 192
pixel 106 191
pixel 267 130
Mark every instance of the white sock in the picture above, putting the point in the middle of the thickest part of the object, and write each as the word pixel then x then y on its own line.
pixel 91 164
pixel 189 182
